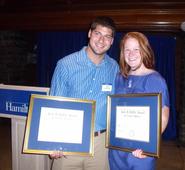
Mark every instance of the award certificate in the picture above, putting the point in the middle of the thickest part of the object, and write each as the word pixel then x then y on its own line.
pixel 134 122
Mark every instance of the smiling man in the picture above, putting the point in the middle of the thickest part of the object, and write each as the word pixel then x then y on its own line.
pixel 88 74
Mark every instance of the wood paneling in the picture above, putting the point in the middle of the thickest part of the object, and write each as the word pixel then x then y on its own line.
pixel 76 14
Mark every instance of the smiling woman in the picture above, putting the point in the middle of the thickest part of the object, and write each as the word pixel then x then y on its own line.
pixel 138 68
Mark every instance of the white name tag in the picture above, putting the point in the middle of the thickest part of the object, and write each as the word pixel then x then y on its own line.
pixel 106 87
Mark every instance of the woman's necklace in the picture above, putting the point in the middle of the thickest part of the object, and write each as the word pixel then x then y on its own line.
pixel 129 84
pixel 132 82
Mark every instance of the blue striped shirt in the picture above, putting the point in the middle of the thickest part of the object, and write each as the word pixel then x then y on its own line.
pixel 77 76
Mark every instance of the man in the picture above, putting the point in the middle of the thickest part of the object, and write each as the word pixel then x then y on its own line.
pixel 88 74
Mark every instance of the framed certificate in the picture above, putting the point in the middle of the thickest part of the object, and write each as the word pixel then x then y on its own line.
pixel 61 124
pixel 134 122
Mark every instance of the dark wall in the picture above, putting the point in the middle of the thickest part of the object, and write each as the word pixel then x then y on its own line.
pixel 181 96
pixel 17 58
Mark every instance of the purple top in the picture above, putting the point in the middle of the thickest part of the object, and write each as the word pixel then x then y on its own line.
pixel 150 83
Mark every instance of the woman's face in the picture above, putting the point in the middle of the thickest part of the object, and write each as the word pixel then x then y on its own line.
pixel 132 53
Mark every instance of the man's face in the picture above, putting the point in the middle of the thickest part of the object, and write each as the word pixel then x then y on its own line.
pixel 100 39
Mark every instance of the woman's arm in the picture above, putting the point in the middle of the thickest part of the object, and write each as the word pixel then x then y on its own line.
pixel 165 117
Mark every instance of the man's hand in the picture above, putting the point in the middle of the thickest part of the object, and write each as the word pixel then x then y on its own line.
pixel 56 155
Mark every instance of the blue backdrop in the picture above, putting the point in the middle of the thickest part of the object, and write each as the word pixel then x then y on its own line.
pixel 54 45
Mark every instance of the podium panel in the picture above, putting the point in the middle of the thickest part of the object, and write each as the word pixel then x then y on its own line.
pixel 22 161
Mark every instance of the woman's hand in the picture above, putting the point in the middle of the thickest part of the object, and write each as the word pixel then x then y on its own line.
pixel 138 153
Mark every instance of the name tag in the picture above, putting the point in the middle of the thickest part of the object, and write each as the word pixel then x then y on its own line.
pixel 106 87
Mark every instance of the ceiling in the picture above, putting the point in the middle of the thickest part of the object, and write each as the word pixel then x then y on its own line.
pixel 90 4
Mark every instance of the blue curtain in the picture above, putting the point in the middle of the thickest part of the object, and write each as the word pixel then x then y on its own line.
pixel 54 45
pixel 164 48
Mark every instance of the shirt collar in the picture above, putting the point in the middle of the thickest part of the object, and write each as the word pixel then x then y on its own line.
pixel 84 59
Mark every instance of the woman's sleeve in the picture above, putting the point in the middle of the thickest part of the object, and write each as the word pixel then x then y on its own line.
pixel 157 84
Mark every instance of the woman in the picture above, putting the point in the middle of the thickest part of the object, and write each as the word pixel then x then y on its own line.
pixel 137 75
